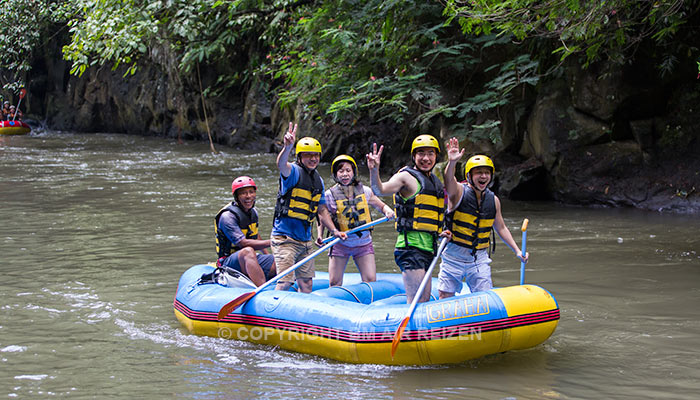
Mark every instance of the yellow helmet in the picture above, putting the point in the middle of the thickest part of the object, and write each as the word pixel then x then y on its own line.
pixel 478 161
pixel 425 141
pixel 308 145
pixel 343 157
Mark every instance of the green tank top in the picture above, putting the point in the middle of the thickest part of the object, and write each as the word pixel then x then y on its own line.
pixel 421 240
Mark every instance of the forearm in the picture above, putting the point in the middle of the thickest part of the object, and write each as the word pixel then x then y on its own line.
pixel 256 244
pixel 283 161
pixel 507 238
pixel 324 216
pixel 449 177
pixel 378 204
pixel 375 182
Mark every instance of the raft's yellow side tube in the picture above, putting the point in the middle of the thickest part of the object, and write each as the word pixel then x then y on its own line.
pixel 531 317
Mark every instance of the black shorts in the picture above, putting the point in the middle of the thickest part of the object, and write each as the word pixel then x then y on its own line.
pixel 412 258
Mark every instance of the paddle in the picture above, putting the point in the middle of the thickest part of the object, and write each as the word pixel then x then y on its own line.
pixel 238 301
pixel 524 245
pixel 22 92
pixel 357 229
pixel 404 322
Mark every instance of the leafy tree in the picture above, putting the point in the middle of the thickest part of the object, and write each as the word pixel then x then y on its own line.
pixel 610 30
pixel 408 61
pixel 396 60
pixel 24 26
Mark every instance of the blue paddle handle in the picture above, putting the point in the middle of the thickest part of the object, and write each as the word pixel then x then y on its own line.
pixel 523 250
pixel 359 228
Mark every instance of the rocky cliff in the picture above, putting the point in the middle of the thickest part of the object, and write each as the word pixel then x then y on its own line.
pixel 591 137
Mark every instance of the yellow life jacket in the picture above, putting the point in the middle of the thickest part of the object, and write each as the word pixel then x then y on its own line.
pixel 425 211
pixel 470 223
pixel 350 212
pixel 247 221
pixel 301 202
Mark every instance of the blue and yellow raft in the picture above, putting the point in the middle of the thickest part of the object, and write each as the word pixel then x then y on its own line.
pixel 356 323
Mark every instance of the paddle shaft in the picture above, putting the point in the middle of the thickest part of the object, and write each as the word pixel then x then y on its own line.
pixel 21 96
pixel 359 228
pixel 238 301
pixel 297 265
pixel 426 278
pixel 399 332
pixel 523 250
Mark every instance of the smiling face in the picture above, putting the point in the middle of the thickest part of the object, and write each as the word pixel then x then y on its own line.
pixel 424 158
pixel 345 173
pixel 310 160
pixel 480 177
pixel 245 197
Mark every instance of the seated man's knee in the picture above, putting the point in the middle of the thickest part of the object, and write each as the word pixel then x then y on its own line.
pixel 248 253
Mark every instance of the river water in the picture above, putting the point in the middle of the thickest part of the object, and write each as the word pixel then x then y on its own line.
pixel 95 231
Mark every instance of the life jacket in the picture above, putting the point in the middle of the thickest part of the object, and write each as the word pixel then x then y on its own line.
pixel 425 211
pixel 247 221
pixel 301 202
pixel 350 212
pixel 471 224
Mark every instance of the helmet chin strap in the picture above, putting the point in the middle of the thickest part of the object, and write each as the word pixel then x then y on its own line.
pixel 471 183
pixel 415 166
pixel 353 182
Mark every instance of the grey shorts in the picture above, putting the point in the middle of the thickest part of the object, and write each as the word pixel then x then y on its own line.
pixel 476 272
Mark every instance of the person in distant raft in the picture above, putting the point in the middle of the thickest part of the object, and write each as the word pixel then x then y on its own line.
pixel 348 202
pixel 473 210
pixel 419 201
pixel 299 201
pixel 15 114
pixel 6 110
pixel 237 237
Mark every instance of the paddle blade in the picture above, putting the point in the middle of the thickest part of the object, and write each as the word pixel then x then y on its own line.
pixel 234 304
pixel 22 92
pixel 397 336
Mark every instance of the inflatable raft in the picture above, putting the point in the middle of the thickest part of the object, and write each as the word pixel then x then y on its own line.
pixel 14 128
pixel 356 323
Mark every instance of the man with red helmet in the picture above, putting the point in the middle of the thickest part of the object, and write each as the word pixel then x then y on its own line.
pixel 237 237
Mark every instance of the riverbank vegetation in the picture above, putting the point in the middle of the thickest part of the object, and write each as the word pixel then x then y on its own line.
pixel 406 61
pixel 476 69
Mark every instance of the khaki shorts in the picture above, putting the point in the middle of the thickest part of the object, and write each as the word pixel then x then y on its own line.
pixel 288 252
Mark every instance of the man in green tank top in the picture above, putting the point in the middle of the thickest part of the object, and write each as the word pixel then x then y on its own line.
pixel 419 206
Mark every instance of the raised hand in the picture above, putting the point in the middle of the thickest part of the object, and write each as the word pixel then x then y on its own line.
pixel 374 156
pixel 453 151
pixel 290 136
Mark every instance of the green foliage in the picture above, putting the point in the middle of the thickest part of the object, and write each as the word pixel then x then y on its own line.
pixel 391 60
pixel 23 26
pixel 408 61
pixel 124 32
pixel 610 29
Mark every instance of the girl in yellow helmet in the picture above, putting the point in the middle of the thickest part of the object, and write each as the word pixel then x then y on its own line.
pixel 348 202
pixel 473 210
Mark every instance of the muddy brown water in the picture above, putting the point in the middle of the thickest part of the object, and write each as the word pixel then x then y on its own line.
pixel 95 231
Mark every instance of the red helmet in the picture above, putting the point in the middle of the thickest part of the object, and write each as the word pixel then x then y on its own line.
pixel 242 182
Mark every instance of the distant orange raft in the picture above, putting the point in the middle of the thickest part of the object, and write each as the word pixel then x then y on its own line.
pixel 14 128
